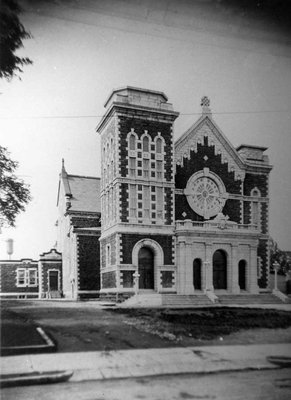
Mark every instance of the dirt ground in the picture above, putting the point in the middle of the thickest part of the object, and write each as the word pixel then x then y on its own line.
pixel 88 327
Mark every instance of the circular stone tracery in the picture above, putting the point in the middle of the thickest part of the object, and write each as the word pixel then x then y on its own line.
pixel 206 193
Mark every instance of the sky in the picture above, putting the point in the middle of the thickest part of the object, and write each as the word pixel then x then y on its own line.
pixel 239 56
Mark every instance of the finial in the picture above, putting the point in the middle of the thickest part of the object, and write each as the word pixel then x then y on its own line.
pixel 63 172
pixel 205 104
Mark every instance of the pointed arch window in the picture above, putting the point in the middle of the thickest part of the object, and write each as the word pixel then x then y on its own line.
pixel 145 144
pixel 132 142
pixel 159 145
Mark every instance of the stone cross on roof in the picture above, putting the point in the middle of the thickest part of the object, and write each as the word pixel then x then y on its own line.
pixel 205 104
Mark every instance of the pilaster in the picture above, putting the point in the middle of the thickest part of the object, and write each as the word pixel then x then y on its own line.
pixel 233 268
pixel 252 271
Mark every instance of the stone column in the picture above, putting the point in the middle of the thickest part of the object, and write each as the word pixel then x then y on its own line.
pixel 276 266
pixel 181 261
pixel 233 267
pixel 252 271
pixel 189 286
pixel 208 268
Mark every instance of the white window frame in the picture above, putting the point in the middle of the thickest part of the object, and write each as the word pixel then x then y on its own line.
pixel 18 271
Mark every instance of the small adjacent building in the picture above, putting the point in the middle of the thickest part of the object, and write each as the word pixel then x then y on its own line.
pixel 27 278
pixel 78 233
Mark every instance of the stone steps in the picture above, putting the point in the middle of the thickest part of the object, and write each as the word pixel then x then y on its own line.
pixel 174 300
pixel 143 300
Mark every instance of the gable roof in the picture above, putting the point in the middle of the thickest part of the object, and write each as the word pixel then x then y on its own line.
pixel 81 192
pixel 206 126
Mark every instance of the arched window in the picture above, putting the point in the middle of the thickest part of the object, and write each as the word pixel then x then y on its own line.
pixel 219 269
pixel 132 142
pixel 145 144
pixel 159 145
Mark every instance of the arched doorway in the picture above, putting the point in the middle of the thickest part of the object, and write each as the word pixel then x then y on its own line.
pixel 242 274
pixel 219 270
pixel 146 268
pixel 197 274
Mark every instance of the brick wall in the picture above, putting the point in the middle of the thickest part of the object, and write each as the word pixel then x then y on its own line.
pixel 108 280
pixel 260 181
pixel 128 241
pixel 196 163
pixel 263 253
pixel 9 274
pixel 88 262
pixel 152 127
pixel 167 279
pixel 82 222
pixel 46 266
pixel 103 244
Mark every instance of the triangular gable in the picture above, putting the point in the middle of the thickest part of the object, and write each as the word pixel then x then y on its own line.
pixel 206 127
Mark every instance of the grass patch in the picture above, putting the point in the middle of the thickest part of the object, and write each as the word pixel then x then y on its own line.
pixel 204 323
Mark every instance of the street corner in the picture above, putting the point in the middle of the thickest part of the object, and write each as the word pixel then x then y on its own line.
pixel 21 336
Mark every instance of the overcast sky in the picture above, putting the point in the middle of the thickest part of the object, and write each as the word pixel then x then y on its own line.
pixel 239 57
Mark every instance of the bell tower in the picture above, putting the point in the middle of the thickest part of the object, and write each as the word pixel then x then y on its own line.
pixel 137 191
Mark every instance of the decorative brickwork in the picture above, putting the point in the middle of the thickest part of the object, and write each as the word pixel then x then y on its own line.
pixel 45 271
pixel 127 278
pixel 264 218
pixel 247 212
pixel 88 262
pixel 124 202
pixel 256 180
pixel 263 254
pixel 206 157
pixel 232 208
pixel 167 279
pixel 109 280
pixel 126 124
pixel 83 222
pixel 12 282
pixel 129 240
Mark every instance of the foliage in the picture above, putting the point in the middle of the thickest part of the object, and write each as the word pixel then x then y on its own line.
pixel 14 193
pixel 281 257
pixel 12 32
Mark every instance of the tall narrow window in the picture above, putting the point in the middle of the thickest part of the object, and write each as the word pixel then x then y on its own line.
pixel 132 201
pixel 108 255
pixel 146 202
pixel 146 167
pixel 145 144
pixel 131 142
pixel 132 167
pixel 32 277
pixel 159 169
pixel 160 203
pixel 159 145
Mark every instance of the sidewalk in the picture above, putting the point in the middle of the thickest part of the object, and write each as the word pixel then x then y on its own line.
pixel 140 363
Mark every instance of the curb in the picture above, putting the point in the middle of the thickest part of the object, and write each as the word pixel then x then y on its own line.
pixel 35 378
pixel 48 347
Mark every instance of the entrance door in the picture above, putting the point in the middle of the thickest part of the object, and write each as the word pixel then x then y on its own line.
pixel 53 280
pixel 219 270
pixel 242 274
pixel 197 274
pixel 146 268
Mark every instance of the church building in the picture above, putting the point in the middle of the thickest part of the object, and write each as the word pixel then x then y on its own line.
pixel 188 217
pixel 165 220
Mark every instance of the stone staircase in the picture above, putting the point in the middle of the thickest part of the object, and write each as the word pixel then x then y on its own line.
pixel 143 300
pixel 176 300
pixel 245 299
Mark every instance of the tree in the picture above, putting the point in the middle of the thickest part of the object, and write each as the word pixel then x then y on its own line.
pixel 12 32
pixel 14 193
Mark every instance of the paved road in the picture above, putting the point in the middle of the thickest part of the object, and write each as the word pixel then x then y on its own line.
pixel 255 385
